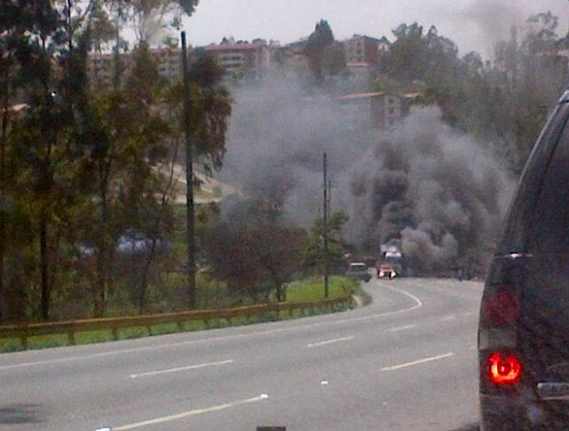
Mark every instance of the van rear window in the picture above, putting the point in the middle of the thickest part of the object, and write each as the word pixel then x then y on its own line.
pixel 550 226
pixel 523 222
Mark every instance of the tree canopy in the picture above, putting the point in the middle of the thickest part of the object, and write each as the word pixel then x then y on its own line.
pixel 315 49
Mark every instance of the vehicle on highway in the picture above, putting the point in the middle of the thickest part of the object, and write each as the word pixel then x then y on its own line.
pixel 390 266
pixel 523 337
pixel 359 270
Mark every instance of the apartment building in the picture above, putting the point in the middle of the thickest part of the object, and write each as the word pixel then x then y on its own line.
pixel 169 61
pixel 242 59
pixel 384 110
pixel 362 49
pixel 293 52
pixel 101 67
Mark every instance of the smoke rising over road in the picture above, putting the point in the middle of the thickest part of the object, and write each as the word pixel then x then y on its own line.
pixel 439 191
pixel 433 187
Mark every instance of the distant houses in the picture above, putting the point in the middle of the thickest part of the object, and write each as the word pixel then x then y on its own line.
pixel 242 59
pixel 248 60
pixel 253 61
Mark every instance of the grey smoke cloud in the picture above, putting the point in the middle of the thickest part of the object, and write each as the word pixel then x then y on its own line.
pixel 419 246
pixel 494 18
pixel 442 193
pixel 276 141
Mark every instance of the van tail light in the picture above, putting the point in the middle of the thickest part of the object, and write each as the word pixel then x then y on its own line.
pixel 501 307
pixel 504 369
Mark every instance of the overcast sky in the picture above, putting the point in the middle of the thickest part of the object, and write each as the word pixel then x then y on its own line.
pixel 472 24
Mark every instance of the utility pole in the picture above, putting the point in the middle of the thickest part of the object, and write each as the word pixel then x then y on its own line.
pixel 325 248
pixel 329 196
pixel 190 239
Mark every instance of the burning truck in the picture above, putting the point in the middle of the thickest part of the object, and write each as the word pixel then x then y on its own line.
pixel 391 262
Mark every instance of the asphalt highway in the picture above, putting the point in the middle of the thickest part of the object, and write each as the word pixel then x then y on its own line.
pixel 405 362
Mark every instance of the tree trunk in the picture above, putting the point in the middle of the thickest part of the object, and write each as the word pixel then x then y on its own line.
pixel 3 296
pixel 3 142
pixel 117 60
pixel 190 238
pixel 155 230
pixel 277 282
pixel 103 260
pixel 44 268
pixel 100 288
pixel 144 278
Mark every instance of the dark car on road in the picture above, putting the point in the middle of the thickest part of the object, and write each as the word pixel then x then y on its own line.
pixel 523 338
pixel 360 271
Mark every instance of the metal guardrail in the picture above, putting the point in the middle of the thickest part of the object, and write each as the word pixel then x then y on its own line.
pixel 114 324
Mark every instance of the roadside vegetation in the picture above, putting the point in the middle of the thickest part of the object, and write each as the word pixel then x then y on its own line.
pixel 307 290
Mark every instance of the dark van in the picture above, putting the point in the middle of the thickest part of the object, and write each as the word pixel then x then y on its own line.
pixel 523 338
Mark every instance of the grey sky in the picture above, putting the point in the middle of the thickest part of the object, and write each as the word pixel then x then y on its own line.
pixel 473 24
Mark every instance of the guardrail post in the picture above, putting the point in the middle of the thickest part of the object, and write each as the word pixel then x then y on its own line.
pixel 24 337
pixel 262 314
pixel 71 336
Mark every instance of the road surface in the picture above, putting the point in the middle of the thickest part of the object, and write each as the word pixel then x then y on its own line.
pixel 405 362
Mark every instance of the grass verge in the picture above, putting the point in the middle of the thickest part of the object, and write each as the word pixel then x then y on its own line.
pixel 312 289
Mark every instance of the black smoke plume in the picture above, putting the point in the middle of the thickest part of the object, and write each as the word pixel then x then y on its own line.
pixel 434 188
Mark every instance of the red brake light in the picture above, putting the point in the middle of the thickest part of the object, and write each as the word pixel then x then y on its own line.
pixel 504 370
pixel 501 308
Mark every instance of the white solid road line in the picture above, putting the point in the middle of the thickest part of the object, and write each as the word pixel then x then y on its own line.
pixel 175 370
pixel 336 340
pixel 418 362
pixel 400 328
pixel 417 304
pixel 190 413
pixel 447 318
